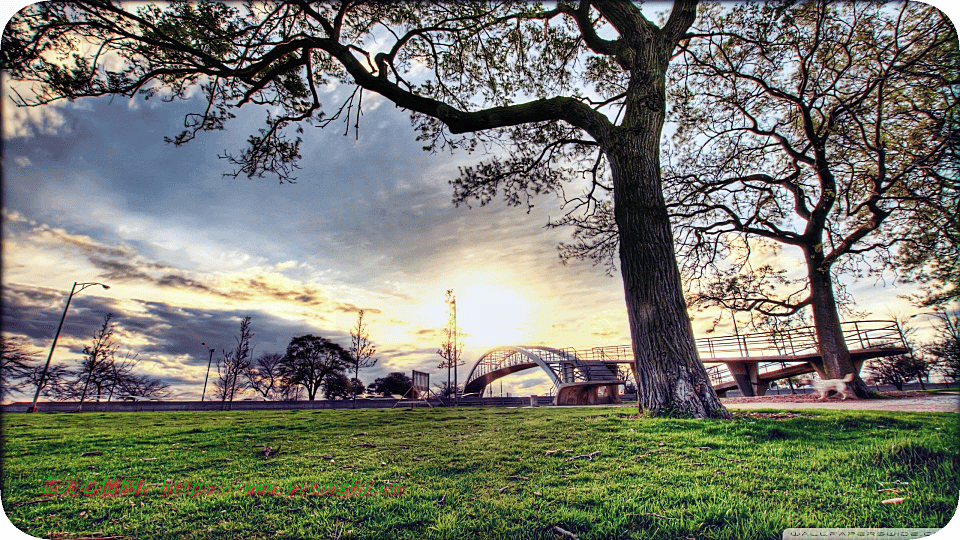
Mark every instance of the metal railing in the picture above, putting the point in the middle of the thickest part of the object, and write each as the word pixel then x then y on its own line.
pixel 799 341
pixel 787 343
pixel 719 373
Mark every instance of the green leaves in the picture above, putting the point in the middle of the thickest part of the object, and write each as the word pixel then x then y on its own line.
pixel 819 126
pixel 463 56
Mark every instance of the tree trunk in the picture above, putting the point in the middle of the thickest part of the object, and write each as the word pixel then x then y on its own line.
pixel 671 379
pixel 356 377
pixel 826 319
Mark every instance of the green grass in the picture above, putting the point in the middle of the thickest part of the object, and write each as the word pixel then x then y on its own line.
pixel 948 390
pixel 486 473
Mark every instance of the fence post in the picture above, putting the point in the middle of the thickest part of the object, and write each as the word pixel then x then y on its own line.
pixel 856 327
pixel 903 339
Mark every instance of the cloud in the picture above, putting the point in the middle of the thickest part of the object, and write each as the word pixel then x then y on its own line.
pixel 28 122
pixel 45 234
pixel 180 282
pixel 121 263
pixel 350 308
pixel 430 335
pixel 34 312
pixel 166 337
pixel 118 271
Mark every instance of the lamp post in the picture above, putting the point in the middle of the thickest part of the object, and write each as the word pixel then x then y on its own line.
pixel 208 371
pixel 73 290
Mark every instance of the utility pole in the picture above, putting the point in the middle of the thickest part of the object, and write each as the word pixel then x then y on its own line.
pixel 456 350
pixel 73 290
pixel 208 371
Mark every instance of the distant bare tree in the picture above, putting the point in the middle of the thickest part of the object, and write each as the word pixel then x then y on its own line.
pixel 111 379
pixel 946 346
pixel 117 373
pixel 221 385
pixel 55 384
pixel 233 364
pixel 265 377
pixel 143 386
pixel 16 365
pixel 898 370
pixel 97 358
pixel 122 382
pixel 361 352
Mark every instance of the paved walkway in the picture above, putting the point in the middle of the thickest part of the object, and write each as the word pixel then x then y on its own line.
pixel 929 403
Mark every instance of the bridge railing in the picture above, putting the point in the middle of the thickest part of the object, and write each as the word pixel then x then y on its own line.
pixel 780 343
pixel 799 341
pixel 719 373
pixel 786 343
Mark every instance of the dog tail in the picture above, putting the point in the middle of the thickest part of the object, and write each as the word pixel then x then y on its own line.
pixel 848 377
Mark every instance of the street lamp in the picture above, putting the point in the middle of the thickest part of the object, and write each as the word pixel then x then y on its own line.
pixel 208 370
pixel 73 290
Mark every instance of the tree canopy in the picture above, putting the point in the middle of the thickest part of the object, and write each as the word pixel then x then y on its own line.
pixel 829 128
pixel 813 123
pixel 396 383
pixel 17 363
pixel 337 386
pixel 310 360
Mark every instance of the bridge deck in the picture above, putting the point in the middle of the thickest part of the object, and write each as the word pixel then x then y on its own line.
pixel 769 376
pixel 750 361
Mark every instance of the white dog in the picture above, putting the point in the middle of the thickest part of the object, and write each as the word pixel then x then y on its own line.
pixel 837 385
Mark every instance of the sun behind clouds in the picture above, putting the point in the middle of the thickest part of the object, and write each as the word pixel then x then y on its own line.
pixel 489 315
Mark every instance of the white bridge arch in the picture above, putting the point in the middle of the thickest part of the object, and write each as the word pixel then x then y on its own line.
pixel 568 373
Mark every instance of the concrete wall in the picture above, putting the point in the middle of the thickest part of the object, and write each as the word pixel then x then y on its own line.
pixel 142 406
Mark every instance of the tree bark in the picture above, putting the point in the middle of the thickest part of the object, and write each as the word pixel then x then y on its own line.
pixel 830 341
pixel 672 380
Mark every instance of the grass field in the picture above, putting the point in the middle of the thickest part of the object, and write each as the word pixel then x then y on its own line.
pixel 478 473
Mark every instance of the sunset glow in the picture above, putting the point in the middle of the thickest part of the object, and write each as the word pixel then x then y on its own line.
pixel 490 316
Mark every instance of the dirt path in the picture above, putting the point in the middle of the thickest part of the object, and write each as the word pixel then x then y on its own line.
pixel 898 401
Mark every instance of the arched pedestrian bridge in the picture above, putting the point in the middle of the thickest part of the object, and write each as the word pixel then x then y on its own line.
pixel 748 362
pixel 575 381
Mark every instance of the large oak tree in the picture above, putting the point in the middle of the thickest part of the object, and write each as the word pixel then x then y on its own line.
pixel 829 128
pixel 577 89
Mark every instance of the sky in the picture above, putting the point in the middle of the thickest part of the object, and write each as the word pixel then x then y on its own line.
pixel 91 193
